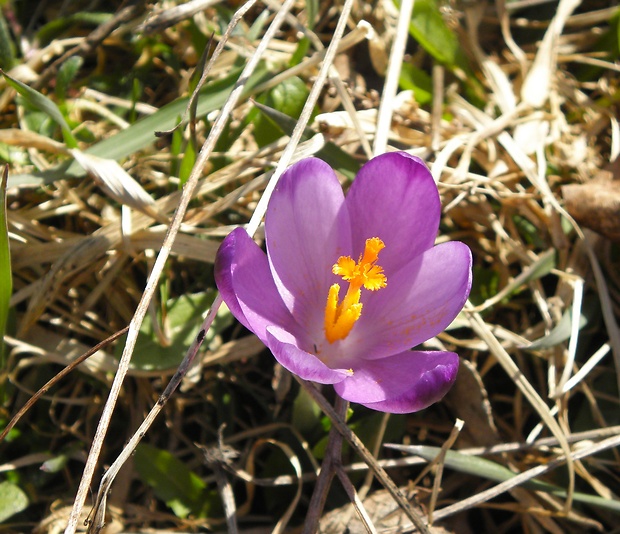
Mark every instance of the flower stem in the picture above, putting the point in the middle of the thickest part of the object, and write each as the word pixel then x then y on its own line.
pixel 331 463
pixel 371 461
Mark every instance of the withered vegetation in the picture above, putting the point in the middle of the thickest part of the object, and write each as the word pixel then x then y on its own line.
pixel 514 106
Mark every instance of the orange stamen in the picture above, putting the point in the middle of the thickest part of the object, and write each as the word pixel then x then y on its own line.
pixel 340 318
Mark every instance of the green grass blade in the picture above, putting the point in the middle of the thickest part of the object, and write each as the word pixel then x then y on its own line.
pixel 590 313
pixel 66 74
pixel 331 153
pixel 6 280
pixel 142 133
pixel 56 27
pixel 481 467
pixel 7 47
pixel 41 102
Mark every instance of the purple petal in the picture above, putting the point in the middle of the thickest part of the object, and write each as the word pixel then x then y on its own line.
pixel 394 198
pixel 307 228
pixel 246 284
pixel 419 301
pixel 404 383
pixel 305 365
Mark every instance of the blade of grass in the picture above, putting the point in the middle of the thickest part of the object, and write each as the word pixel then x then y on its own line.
pixel 43 103
pixel 517 480
pixel 542 266
pixel 481 467
pixel 332 154
pixel 6 280
pixel 7 47
pixel 142 133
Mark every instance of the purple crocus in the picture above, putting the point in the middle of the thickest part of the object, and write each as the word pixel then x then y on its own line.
pixel 349 285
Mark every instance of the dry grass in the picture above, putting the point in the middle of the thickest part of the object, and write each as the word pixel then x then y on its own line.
pixel 525 110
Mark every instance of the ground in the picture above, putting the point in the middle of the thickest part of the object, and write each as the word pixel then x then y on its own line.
pixel 121 186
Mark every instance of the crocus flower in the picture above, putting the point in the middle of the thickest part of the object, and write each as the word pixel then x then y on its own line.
pixel 349 286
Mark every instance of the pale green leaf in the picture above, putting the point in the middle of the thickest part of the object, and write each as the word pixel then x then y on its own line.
pixel 187 162
pixel 331 153
pixel 181 489
pixel 561 332
pixel 183 318
pixel 430 30
pixel 66 74
pixel 12 500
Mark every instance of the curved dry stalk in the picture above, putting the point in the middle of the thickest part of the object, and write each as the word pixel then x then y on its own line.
pixel 294 461
pixel 45 388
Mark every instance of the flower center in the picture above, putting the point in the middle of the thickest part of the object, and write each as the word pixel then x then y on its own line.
pixel 340 317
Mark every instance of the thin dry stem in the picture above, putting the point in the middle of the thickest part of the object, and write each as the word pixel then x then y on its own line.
pixel 386 108
pixel 372 463
pixel 331 464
